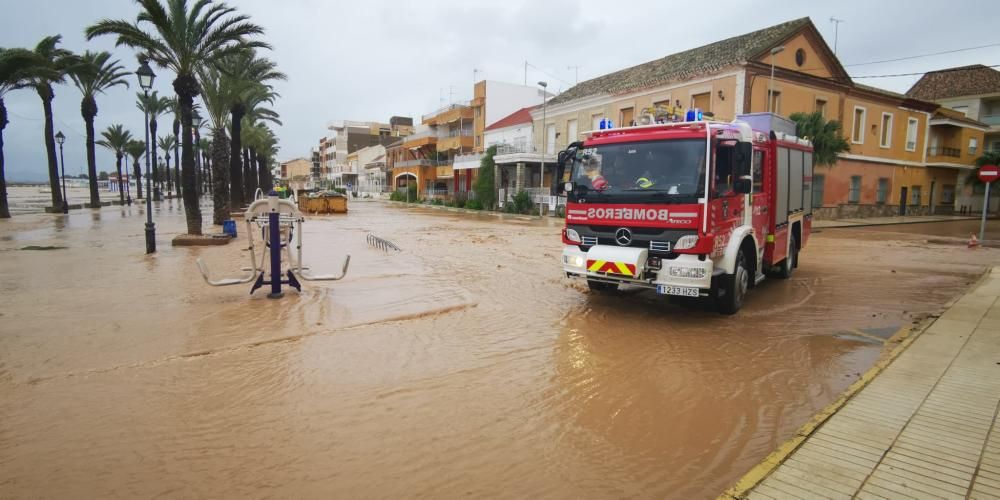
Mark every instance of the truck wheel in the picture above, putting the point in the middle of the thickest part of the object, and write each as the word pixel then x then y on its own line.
pixel 734 287
pixel 790 262
pixel 601 287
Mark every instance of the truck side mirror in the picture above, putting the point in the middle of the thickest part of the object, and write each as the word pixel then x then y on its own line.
pixel 743 159
pixel 557 178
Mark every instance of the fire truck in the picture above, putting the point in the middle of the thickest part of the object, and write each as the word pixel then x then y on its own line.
pixel 694 208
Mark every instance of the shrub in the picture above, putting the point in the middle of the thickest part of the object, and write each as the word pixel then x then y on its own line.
pixel 341 190
pixel 522 202
pixel 474 204
pixel 484 184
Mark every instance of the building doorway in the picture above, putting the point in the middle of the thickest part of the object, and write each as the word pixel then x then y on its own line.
pixel 902 201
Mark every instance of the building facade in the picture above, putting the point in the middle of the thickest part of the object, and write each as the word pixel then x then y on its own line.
pixel 350 136
pixel 886 171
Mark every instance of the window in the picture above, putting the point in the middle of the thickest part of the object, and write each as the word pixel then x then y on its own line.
pixel 947 194
pixel 858 128
pixel 572 134
pixel 550 139
pixel 625 117
pixel 596 121
pixel 915 196
pixel 883 191
pixel 911 134
pixel 702 101
pixel 800 57
pixel 758 171
pixel 995 146
pixel 886 139
pixel 821 106
pixel 774 98
pixel 479 140
pixel 973 145
pixel 818 181
pixel 854 195
pixel 479 111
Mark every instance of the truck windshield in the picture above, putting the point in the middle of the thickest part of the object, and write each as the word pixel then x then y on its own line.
pixel 675 167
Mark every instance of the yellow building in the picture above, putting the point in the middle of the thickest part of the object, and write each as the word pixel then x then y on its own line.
pixel 887 168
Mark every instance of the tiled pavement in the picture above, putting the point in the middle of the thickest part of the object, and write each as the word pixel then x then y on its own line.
pixel 925 427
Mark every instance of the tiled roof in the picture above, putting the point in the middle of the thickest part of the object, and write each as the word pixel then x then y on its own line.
pixel 683 65
pixel 958 116
pixel 518 117
pixel 955 82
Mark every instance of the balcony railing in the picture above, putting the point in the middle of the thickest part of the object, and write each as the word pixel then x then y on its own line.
pixel 421 135
pixel 952 152
pixel 457 105
pixel 520 147
pixel 421 163
pixel 991 119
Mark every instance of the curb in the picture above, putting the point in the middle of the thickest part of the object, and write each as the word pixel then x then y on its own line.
pixel 895 223
pixel 466 210
pixel 762 470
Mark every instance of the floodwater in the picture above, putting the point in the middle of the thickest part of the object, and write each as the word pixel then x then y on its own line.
pixel 464 365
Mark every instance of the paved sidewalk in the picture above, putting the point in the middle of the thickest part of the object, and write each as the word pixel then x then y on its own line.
pixel 925 427
pixel 885 221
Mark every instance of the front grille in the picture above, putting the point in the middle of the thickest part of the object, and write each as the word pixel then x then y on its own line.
pixel 659 246
pixel 589 241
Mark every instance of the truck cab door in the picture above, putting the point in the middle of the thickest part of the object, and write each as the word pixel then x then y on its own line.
pixel 759 201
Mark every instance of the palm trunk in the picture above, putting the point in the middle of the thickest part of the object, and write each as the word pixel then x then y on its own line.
pixel 121 183
pixel 157 196
pixel 251 162
pixel 197 159
pixel 4 207
pixel 177 157
pixel 187 89
pixel 138 178
pixel 166 159
pixel 220 177
pixel 237 200
pixel 88 109
pixel 208 172
pixel 45 92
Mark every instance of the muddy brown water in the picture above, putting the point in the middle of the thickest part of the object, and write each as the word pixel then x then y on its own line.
pixel 465 365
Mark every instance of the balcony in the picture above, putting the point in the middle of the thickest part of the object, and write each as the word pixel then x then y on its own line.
pixel 420 163
pixel 942 151
pixel 455 142
pixel 518 147
pixel 425 138
pixel 448 114
pixel 991 119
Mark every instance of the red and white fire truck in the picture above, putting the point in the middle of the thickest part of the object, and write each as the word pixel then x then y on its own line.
pixel 694 208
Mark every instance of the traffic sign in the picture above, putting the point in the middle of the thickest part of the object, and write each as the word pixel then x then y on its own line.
pixel 989 173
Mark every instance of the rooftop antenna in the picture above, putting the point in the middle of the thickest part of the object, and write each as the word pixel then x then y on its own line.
pixel 836 29
pixel 451 93
pixel 475 72
pixel 525 72
pixel 576 73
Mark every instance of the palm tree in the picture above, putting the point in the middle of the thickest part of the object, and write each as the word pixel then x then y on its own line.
pixel 136 149
pixel 825 136
pixel 94 74
pixel 205 146
pixel 182 37
pixel 154 106
pixel 215 97
pixel 16 68
pixel 167 143
pixel 116 138
pixel 244 76
pixel 55 62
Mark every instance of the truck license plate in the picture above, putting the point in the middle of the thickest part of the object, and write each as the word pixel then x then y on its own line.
pixel 683 291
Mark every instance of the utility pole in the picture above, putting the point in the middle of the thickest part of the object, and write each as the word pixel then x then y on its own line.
pixel 525 72
pixel 576 73
pixel 836 30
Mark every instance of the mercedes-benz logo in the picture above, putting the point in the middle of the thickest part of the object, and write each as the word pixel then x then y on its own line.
pixel 623 236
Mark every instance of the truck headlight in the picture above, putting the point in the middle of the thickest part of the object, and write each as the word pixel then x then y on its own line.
pixel 571 236
pixel 687 272
pixel 686 242
pixel 574 261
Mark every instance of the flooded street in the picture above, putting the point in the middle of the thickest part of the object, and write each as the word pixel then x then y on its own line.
pixel 465 365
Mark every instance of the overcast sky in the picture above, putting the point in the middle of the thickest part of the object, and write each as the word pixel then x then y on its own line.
pixel 370 60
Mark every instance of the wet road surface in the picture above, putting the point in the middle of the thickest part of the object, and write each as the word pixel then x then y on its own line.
pixel 465 365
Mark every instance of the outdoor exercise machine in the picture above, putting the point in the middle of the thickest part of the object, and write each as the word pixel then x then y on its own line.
pixel 279 221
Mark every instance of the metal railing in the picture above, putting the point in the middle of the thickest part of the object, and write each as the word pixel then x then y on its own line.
pixel 941 151
pixel 422 163
pixel 521 147
pixel 457 105
pixel 991 119
pixel 436 193
pixel 420 135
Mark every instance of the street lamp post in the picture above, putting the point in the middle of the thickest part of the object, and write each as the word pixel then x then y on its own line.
pixel 545 148
pixel 60 139
pixel 770 84
pixel 146 76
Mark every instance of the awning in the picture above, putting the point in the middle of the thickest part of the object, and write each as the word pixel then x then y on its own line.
pixel 467 164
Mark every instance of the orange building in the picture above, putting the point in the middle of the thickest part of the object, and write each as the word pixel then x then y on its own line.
pixel 887 170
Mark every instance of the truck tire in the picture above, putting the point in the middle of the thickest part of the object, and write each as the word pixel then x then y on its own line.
pixel 790 262
pixel 733 287
pixel 601 287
